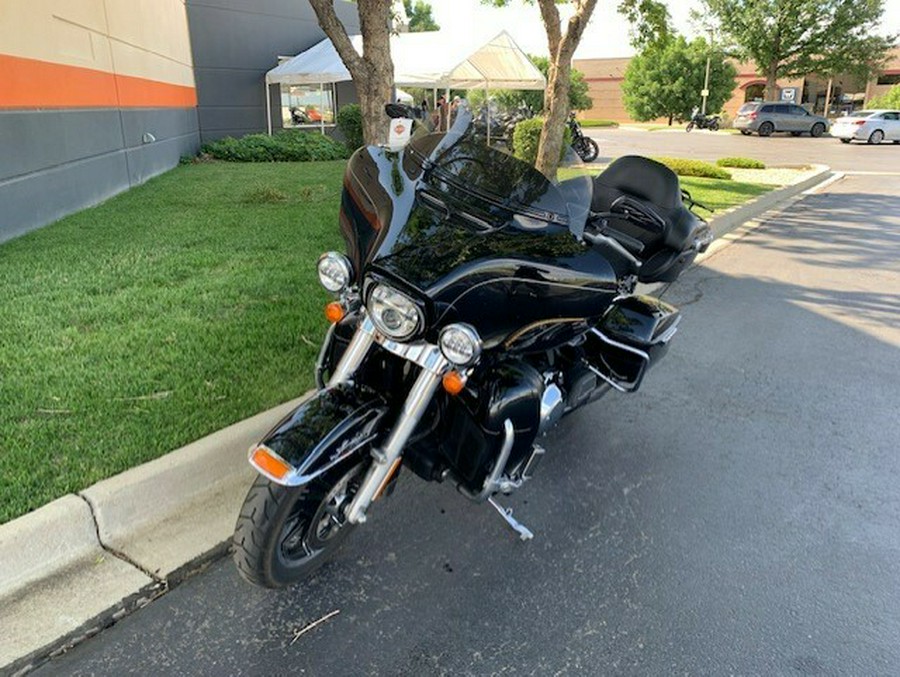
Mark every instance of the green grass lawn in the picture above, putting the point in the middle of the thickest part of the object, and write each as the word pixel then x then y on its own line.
pixel 166 313
pixel 717 194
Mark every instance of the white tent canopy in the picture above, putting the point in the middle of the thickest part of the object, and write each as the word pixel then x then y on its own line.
pixel 433 60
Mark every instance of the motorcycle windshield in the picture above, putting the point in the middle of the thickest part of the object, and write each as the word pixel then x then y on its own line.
pixel 449 199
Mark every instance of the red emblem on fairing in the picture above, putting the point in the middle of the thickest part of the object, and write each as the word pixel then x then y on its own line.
pixel 399 129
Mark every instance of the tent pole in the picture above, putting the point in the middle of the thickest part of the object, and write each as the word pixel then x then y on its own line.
pixel 268 109
pixel 487 107
pixel 322 106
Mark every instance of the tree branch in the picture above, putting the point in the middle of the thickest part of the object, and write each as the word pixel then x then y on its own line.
pixel 337 33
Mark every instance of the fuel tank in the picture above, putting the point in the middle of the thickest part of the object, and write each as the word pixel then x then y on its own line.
pixel 452 241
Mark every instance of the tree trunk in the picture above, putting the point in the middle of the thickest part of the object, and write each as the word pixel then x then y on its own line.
pixel 771 77
pixel 562 47
pixel 671 115
pixel 373 71
pixel 828 96
pixel 553 131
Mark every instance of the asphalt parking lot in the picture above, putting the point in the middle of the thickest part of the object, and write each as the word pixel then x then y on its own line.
pixel 778 149
pixel 738 515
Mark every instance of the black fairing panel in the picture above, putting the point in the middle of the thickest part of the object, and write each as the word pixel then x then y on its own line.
pixel 329 427
pixel 638 320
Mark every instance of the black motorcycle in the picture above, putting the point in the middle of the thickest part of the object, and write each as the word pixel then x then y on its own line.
pixel 701 121
pixel 584 146
pixel 477 305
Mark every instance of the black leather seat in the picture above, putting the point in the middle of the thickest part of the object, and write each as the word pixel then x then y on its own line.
pixel 666 250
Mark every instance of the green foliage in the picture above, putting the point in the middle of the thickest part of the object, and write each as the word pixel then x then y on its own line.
pixel 740 162
pixel 686 167
pixel 527 136
pixel 650 22
pixel 510 99
pixel 419 15
pixel 889 100
pixel 666 79
pixel 284 146
pixel 795 37
pixel 349 121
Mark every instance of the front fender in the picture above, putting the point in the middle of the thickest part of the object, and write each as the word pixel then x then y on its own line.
pixel 330 427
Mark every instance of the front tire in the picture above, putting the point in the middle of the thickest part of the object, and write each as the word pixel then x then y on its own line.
pixel 587 149
pixel 817 130
pixel 283 534
pixel 714 125
pixel 690 126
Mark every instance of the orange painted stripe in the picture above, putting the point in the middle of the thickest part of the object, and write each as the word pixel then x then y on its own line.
pixel 31 83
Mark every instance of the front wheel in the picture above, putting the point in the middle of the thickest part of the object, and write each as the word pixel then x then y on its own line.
pixel 690 126
pixel 283 534
pixel 714 125
pixel 817 130
pixel 587 149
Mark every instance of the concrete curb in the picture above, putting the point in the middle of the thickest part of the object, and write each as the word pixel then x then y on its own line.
pixel 77 564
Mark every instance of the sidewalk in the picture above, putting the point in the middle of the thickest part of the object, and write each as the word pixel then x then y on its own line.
pixel 77 565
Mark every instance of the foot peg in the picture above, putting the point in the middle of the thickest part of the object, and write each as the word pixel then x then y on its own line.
pixel 506 513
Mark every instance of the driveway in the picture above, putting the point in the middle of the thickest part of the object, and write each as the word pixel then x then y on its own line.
pixel 774 150
pixel 738 515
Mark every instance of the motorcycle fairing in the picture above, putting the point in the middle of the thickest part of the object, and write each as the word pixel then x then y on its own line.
pixel 330 427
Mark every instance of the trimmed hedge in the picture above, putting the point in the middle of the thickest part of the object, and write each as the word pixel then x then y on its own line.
pixel 740 162
pixel 284 146
pixel 685 167
pixel 349 121
pixel 527 136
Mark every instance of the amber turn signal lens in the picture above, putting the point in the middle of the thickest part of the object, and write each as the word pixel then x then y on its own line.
pixel 453 382
pixel 266 461
pixel 334 312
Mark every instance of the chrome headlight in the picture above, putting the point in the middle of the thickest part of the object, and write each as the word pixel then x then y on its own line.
pixel 460 344
pixel 395 314
pixel 335 271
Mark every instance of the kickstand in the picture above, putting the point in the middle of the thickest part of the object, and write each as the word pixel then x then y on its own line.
pixel 506 513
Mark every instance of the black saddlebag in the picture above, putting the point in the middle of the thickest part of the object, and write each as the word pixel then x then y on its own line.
pixel 632 335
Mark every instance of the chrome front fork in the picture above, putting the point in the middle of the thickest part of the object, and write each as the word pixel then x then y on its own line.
pixel 387 458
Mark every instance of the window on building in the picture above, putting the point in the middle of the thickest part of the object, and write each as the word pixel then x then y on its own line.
pixel 307 105
pixel 889 79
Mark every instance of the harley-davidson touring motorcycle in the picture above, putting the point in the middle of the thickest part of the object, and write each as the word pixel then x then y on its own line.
pixel 477 304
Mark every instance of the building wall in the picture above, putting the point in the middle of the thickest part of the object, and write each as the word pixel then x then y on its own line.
pixel 605 76
pixel 234 43
pixel 95 96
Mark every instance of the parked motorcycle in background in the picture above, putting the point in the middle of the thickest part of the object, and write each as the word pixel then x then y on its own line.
pixel 477 304
pixel 584 146
pixel 700 121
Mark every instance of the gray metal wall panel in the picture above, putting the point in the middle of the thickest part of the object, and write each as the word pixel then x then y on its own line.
pixel 40 198
pixel 35 140
pixel 63 161
pixel 162 123
pixel 234 43
pixel 236 87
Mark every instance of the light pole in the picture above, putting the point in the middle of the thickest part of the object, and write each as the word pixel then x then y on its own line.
pixel 705 91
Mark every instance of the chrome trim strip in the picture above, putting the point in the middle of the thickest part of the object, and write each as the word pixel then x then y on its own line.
pixel 667 335
pixel 622 387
